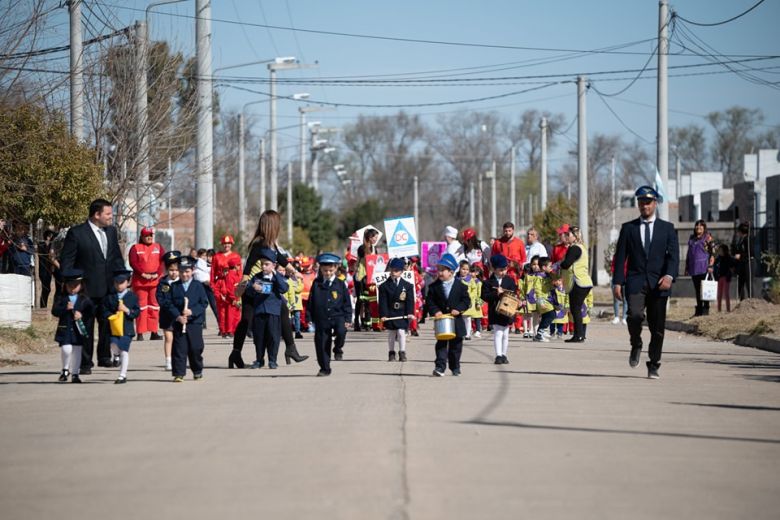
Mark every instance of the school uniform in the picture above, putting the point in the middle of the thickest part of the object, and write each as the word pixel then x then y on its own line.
pixel 498 322
pixel 68 336
pixel 396 300
pixel 110 307
pixel 329 308
pixel 187 345
pixel 163 294
pixel 560 303
pixel 266 320
pixel 446 299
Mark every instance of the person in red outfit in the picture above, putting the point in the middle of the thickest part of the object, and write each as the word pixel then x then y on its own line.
pixel 146 260
pixel 232 309
pixel 219 269
pixel 512 248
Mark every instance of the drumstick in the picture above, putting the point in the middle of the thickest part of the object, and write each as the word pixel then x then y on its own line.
pixel 186 306
pixel 398 318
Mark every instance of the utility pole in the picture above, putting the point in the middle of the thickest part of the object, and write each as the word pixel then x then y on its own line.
pixel 472 208
pixel 76 72
pixel 289 205
pixel 493 223
pixel 663 101
pixel 204 208
pixel 241 179
pixel 142 127
pixel 613 233
pixel 543 126
pixel 417 206
pixel 170 204
pixel 480 208
pixel 263 187
pixel 512 189
pixel 582 160
pixel 521 218
pixel 677 177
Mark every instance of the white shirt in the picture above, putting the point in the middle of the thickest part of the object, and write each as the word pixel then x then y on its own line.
pixel 478 255
pixel 642 229
pixel 448 287
pixel 455 248
pixel 202 271
pixel 102 239
pixel 532 250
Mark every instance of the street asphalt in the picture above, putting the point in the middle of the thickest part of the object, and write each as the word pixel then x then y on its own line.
pixel 563 431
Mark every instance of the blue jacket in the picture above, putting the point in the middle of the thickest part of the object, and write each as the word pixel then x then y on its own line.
pixel 645 270
pixel 458 300
pixel 163 293
pixel 395 301
pixel 329 303
pixel 67 333
pixel 490 296
pixel 270 302
pixel 198 301
pixel 111 304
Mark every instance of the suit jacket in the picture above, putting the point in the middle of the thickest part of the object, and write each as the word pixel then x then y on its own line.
pixel 197 301
pixel 163 293
pixel 392 304
pixel 270 303
pixel 67 333
pixel 111 305
pixel 81 250
pixel 458 300
pixel 641 269
pixel 326 304
pixel 490 296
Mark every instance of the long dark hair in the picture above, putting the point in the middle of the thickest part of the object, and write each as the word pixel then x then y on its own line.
pixel 699 222
pixel 368 247
pixel 267 232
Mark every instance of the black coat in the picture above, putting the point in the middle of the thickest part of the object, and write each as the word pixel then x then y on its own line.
pixel 326 304
pixel 459 300
pixel 489 294
pixel 111 304
pixel 163 293
pixel 81 250
pixel 67 333
pixel 396 301
pixel 645 270
pixel 197 301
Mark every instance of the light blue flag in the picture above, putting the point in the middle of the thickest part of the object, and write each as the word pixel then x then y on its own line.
pixel 659 186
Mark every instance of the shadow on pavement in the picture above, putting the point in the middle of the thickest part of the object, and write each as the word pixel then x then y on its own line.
pixel 570 374
pixel 509 424
pixel 396 374
pixel 733 406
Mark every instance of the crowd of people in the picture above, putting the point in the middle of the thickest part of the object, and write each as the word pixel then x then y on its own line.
pixel 507 286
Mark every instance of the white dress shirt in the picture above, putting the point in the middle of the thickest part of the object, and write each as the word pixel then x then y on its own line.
pixel 102 239
pixel 642 229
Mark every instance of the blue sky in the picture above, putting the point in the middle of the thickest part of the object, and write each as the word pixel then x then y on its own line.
pixel 553 24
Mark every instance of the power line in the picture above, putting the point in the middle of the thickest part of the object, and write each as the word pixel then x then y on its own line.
pixel 700 24
pixel 603 100
pixel 62 48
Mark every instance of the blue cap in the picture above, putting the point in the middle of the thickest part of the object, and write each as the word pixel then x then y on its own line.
pixel 171 257
pixel 72 275
pixel 328 258
pixel 397 264
pixel 266 253
pixel 499 261
pixel 448 261
pixel 648 192
pixel 187 262
pixel 122 275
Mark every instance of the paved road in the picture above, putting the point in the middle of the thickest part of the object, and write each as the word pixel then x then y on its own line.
pixel 561 432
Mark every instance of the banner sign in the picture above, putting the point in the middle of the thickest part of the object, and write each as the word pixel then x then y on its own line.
pixel 381 278
pixel 431 252
pixel 375 264
pixel 401 237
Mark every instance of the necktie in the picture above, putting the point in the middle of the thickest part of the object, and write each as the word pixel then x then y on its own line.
pixel 103 242
pixel 327 284
pixel 647 238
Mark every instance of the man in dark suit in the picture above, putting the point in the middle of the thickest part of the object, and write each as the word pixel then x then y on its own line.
pixel 648 246
pixel 94 248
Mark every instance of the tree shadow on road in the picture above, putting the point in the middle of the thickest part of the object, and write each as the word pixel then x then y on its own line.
pixel 733 406
pixel 568 374
pixel 396 374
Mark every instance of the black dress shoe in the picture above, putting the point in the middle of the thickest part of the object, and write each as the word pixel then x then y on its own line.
pixel 64 376
pixel 139 337
pixel 75 378
pixel 402 356
pixel 120 381
pixel 155 336
pixel 338 356
pixel 633 358
pixel 499 360
pixel 391 355
pixel 574 339
pixel 415 333
pixel 298 335
pixel 504 360
pixel 323 373
pixel 235 360
pixel 105 363
pixel 86 371
pixel 652 370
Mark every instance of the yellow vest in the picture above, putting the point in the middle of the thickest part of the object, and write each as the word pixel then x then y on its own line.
pixel 578 272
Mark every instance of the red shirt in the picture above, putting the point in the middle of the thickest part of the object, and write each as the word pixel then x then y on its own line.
pixel 559 252
pixel 219 264
pixel 146 259
pixel 513 249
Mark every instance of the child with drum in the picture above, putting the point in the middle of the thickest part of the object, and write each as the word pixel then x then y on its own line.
pixel 396 308
pixel 498 291
pixel 447 300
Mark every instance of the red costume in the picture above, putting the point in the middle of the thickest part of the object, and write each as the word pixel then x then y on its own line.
pixel 147 259
pixel 228 306
pixel 220 265
pixel 514 250
pixel 308 278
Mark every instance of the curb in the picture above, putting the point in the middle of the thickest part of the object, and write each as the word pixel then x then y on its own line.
pixel 759 342
pixel 679 326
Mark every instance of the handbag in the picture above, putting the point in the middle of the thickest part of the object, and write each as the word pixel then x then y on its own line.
pixel 709 289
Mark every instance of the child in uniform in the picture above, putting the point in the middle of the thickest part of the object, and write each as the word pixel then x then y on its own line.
pixel 544 302
pixel 122 300
pixel 474 312
pixel 187 305
pixel 267 288
pixel 72 307
pixel 561 303
pixel 528 295
pixel 295 298
pixel 492 289
pixel 171 259
pixel 329 309
pixel 396 308
pixel 448 296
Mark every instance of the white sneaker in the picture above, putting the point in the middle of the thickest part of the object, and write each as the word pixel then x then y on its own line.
pixel 615 320
pixel 168 366
pixel 477 334
pixel 625 322
pixel 540 338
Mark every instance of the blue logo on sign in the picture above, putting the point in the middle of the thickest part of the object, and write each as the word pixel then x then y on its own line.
pixel 401 236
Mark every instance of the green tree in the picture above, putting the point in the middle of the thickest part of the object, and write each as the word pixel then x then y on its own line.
pixel 44 173
pixel 319 224
pixel 559 211
pixel 371 211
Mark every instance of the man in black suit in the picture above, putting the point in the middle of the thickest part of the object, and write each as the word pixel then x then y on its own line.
pixel 94 248
pixel 649 249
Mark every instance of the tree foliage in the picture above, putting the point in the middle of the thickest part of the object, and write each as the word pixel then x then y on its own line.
pixel 372 211
pixel 44 173
pixel 319 224
pixel 559 210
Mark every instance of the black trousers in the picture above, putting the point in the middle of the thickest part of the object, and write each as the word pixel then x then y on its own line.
pixel 546 321
pixel 265 333
pixel 103 338
pixel 212 300
pixel 743 282
pixel 45 277
pixel 247 315
pixel 359 304
pixel 187 346
pixel 647 301
pixel 577 297
pixel 702 307
pixel 448 352
pixel 323 340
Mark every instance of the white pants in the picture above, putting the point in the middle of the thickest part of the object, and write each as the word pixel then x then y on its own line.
pixel 392 336
pixel 467 320
pixel 501 339
pixel 71 358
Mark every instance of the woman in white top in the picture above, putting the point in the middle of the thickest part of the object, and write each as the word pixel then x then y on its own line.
pixel 533 247
pixel 474 249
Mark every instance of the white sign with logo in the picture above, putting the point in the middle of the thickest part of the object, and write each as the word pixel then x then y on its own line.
pixel 380 278
pixel 401 237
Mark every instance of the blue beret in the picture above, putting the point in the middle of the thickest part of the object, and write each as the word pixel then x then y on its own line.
pixel 396 263
pixel 499 261
pixel 648 192
pixel 72 275
pixel 121 275
pixel 328 258
pixel 187 262
pixel 448 261
pixel 266 253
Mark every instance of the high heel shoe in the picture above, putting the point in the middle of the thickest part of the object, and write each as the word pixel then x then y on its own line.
pixel 291 352
pixel 235 359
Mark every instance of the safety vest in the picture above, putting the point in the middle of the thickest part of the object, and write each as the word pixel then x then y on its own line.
pixel 578 272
